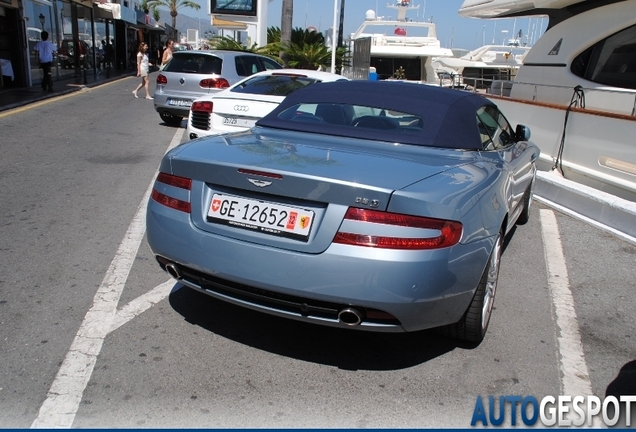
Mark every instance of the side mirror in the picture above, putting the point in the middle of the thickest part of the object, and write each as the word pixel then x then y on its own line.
pixel 522 133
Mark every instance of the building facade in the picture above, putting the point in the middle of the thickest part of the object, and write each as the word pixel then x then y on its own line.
pixel 92 37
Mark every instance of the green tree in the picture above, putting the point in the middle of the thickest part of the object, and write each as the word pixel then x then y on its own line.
pixel 313 56
pixel 298 36
pixel 307 56
pixel 173 6
pixel 286 28
pixel 228 43
pixel 150 9
pixel 306 50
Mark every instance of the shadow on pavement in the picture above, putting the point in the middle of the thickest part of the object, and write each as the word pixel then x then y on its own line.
pixel 345 349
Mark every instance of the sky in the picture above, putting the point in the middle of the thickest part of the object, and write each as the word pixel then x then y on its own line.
pixel 453 31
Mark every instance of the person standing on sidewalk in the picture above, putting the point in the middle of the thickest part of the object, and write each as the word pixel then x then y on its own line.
pixel 143 69
pixel 44 50
pixel 167 53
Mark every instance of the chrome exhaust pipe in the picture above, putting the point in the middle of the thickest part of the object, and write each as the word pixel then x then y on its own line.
pixel 173 270
pixel 349 316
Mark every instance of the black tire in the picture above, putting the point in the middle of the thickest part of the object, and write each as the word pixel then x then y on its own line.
pixel 474 324
pixel 524 217
pixel 170 119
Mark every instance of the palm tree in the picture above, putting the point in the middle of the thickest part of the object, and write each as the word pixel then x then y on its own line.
pixel 286 28
pixel 306 49
pixel 173 6
pixel 228 43
pixel 307 56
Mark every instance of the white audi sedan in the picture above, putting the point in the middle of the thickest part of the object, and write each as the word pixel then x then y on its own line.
pixel 237 108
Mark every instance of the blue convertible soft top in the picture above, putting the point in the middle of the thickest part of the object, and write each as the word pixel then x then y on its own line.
pixel 448 117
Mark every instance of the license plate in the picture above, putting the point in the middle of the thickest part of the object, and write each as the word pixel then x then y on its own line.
pixel 261 216
pixel 180 102
pixel 237 121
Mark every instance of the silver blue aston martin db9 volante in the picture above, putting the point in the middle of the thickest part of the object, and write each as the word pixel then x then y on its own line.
pixel 367 205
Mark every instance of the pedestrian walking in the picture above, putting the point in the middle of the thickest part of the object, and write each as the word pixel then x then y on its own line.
pixel 44 50
pixel 143 69
pixel 373 74
pixel 167 53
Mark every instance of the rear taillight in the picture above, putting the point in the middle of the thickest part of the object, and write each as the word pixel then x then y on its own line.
pixel 161 79
pixel 204 106
pixel 168 201
pixel 217 83
pixel 449 232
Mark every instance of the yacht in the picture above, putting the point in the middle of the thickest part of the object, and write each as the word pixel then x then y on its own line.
pixel 576 88
pixel 401 48
pixel 481 67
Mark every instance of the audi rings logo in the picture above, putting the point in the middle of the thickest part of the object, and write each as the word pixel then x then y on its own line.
pixel 242 108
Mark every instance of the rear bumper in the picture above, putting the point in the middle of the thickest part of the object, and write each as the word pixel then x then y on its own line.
pixel 161 105
pixel 420 289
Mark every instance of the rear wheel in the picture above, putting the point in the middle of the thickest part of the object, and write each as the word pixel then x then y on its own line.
pixel 170 119
pixel 473 325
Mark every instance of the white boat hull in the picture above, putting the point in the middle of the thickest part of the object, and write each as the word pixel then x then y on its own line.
pixel 599 149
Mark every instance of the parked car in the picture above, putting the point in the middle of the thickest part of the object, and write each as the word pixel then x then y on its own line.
pixel 378 206
pixel 241 105
pixel 178 46
pixel 66 53
pixel 191 74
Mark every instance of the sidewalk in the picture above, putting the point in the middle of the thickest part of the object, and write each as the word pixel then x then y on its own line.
pixel 17 97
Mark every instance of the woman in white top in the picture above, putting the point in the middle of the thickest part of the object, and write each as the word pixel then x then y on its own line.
pixel 167 53
pixel 143 69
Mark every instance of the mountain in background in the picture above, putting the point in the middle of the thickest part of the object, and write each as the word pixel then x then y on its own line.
pixel 185 22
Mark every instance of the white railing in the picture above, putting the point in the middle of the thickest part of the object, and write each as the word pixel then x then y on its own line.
pixel 611 100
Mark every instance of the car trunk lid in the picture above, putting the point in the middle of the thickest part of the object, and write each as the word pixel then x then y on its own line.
pixel 231 111
pixel 318 179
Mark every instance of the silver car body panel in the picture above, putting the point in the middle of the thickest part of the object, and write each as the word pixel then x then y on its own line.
pixel 328 174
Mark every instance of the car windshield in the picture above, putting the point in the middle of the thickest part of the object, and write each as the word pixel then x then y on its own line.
pixel 274 85
pixel 195 63
pixel 358 116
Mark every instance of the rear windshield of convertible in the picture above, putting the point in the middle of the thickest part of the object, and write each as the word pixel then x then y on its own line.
pixel 358 116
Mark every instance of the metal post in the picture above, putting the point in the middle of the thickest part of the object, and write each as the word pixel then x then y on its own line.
pixel 334 44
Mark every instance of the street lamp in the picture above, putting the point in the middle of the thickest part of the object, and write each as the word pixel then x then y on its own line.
pixel 42 19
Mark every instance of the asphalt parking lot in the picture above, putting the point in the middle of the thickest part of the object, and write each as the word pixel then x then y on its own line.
pixel 93 334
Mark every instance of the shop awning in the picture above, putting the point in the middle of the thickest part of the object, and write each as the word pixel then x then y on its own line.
pixel 228 25
pixel 108 10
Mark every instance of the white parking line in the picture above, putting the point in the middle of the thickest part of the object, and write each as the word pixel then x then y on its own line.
pixel 575 377
pixel 141 304
pixel 64 396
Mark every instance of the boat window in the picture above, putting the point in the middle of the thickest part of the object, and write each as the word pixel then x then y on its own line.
pixel 495 131
pixel 611 61
pixel 387 68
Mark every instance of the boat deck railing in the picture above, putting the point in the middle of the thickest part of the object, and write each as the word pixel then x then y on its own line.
pixel 621 101
pixel 383 40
